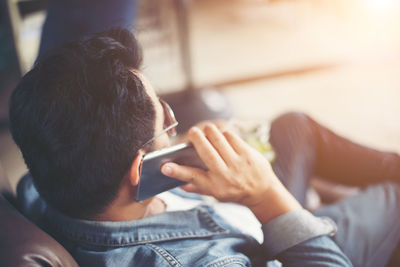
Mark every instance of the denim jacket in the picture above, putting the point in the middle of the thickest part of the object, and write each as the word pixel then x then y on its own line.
pixel 195 237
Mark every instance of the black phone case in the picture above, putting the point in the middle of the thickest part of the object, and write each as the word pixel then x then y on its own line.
pixel 152 181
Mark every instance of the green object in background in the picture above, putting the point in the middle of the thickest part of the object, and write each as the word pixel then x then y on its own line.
pixel 256 134
pixel 264 147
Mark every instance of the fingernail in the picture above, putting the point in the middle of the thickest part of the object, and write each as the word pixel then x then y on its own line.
pixel 193 130
pixel 167 170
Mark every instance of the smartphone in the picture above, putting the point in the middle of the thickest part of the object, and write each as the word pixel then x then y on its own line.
pixel 152 181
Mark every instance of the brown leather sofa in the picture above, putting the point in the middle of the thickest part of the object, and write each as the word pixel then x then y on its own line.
pixel 21 242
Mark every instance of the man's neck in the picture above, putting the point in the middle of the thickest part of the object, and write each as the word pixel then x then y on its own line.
pixel 120 211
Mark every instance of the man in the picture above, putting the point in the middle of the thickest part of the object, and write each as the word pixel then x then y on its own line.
pixel 84 116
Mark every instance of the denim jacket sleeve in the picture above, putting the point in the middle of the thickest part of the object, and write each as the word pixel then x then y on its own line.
pixel 298 238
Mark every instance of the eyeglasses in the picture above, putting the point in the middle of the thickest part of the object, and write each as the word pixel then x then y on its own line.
pixel 170 122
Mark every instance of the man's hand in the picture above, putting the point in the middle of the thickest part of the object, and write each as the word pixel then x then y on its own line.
pixel 222 125
pixel 236 173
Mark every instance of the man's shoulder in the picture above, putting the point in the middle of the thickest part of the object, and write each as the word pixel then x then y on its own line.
pixel 184 238
pixel 223 250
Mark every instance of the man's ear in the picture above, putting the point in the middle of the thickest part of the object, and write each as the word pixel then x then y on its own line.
pixel 136 167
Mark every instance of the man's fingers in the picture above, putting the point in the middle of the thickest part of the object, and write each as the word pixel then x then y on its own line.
pixel 184 173
pixel 236 142
pixel 205 150
pixel 220 124
pixel 191 188
pixel 220 143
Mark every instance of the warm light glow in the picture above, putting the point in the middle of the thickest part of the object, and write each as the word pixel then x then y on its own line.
pixel 381 5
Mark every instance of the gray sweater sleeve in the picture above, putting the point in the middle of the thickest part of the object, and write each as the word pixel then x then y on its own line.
pixel 298 238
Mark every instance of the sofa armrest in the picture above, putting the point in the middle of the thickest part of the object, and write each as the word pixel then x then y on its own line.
pixel 24 244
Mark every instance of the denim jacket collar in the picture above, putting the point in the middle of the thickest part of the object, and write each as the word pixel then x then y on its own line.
pixel 189 224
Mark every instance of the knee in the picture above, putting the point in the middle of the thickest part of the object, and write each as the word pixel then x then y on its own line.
pixel 293 132
pixel 288 122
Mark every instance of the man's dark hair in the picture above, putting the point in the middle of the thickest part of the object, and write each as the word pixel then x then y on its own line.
pixel 79 117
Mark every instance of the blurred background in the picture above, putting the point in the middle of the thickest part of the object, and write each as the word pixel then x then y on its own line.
pixel 337 60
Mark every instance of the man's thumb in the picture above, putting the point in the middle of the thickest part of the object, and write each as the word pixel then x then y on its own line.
pixel 183 173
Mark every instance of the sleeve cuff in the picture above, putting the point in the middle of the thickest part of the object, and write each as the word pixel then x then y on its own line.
pixel 293 228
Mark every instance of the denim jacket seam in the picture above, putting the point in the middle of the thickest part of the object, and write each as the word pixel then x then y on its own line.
pixel 228 260
pixel 165 255
pixel 210 221
pixel 141 242
pixel 214 229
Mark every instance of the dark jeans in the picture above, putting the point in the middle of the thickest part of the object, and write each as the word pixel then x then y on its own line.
pixel 368 223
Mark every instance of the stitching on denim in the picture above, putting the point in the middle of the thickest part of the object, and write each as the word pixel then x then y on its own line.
pixel 122 244
pixel 233 262
pixel 168 257
pixel 215 229
pixel 227 261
